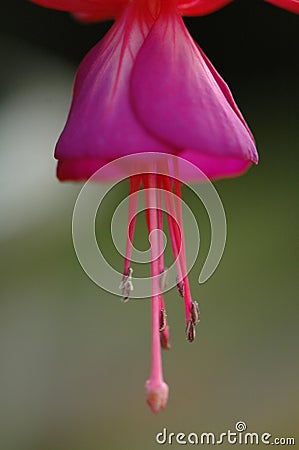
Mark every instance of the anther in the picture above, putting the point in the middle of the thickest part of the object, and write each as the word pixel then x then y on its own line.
pixel 163 280
pixel 126 285
pixel 190 331
pixel 181 287
pixel 164 341
pixel 163 319
pixel 195 314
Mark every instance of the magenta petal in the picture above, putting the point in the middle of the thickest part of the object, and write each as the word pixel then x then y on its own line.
pixel 77 169
pixel 225 89
pixel 101 124
pixel 178 98
pixel 214 167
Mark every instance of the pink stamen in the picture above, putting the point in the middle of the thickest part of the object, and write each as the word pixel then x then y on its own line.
pixel 171 224
pixel 187 293
pixel 189 303
pixel 160 228
pixel 126 284
pixel 177 239
pixel 133 202
pixel 164 327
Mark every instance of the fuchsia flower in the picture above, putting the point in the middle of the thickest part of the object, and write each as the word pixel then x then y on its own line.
pixel 148 87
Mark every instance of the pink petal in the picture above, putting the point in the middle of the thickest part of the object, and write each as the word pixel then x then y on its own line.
pixel 101 124
pixel 224 88
pixel 200 7
pixel 213 166
pixel 291 5
pixel 179 99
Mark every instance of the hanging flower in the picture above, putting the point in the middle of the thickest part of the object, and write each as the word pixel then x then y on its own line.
pixel 148 87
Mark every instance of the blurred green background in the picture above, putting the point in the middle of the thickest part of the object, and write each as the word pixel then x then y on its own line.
pixel 73 357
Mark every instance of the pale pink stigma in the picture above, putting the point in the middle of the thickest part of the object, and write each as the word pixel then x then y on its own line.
pixel 157 395
pixel 126 284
